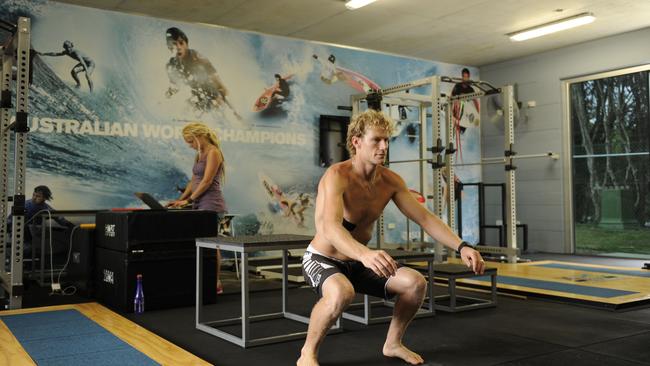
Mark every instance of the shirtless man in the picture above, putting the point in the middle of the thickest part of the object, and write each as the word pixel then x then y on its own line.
pixel 464 87
pixel 282 90
pixel 351 197
pixel 85 64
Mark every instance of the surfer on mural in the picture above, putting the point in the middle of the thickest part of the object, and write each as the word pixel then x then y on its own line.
pixel 188 67
pixel 280 202
pixel 274 95
pixel 464 87
pixel 281 88
pixel 85 64
pixel 461 108
pixel 331 73
pixel 328 73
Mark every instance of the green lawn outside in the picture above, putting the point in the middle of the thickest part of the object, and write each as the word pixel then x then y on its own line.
pixel 595 240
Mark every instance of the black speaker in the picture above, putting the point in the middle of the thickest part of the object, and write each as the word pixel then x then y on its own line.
pixel 333 133
pixel 80 266
pixel 154 229
pixel 168 278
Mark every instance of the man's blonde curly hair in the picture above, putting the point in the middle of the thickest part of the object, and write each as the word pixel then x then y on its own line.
pixel 363 121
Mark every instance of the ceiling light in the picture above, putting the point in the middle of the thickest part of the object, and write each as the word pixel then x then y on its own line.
pixel 556 26
pixel 356 4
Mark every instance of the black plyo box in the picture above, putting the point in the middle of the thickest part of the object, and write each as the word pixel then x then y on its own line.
pixel 169 278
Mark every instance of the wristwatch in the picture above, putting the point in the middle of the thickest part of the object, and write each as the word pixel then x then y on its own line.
pixel 189 200
pixel 462 245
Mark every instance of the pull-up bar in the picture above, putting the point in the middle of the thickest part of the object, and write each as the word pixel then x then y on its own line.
pixel 494 160
pixel 9 27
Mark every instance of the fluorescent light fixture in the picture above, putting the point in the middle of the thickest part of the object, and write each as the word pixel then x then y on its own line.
pixel 556 26
pixel 356 4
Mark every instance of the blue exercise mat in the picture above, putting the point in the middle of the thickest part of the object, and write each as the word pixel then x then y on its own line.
pixel 558 286
pixel 623 272
pixel 67 337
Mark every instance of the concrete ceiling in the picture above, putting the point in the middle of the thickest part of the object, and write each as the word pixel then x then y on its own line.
pixel 467 32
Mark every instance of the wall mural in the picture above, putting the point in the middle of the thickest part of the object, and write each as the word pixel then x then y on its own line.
pixel 112 91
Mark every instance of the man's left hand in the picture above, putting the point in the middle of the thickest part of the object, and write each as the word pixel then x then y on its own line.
pixel 472 258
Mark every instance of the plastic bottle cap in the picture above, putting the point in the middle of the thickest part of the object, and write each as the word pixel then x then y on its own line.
pixel 139 276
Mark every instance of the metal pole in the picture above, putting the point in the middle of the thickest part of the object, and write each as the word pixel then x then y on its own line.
pixel 406 86
pixel 481 213
pixel 245 300
pixel 465 97
pixel 549 154
pixel 5 141
pixel 436 135
pixel 449 164
pixel 408 234
pixel 486 161
pixel 504 214
pixel 423 152
pixel 459 219
pixel 20 156
pixel 422 160
pixel 198 314
pixel 482 163
pixel 507 94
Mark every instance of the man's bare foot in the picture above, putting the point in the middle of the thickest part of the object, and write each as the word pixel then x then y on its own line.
pixel 305 360
pixel 399 351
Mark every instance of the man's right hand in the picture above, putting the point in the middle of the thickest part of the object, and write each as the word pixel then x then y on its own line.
pixel 176 203
pixel 379 262
pixel 472 259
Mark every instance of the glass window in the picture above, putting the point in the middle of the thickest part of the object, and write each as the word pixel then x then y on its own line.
pixel 611 164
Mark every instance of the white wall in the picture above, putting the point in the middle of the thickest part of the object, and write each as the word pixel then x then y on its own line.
pixel 540 195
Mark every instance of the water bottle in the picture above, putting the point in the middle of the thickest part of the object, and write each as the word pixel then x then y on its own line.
pixel 138 300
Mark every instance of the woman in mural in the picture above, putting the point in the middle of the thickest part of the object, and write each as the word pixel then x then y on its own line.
pixel 189 67
pixel 204 191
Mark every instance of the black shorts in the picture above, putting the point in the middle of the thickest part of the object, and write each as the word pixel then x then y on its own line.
pixel 317 268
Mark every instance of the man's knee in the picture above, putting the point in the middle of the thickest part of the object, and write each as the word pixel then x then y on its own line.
pixel 414 283
pixel 338 295
pixel 420 284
